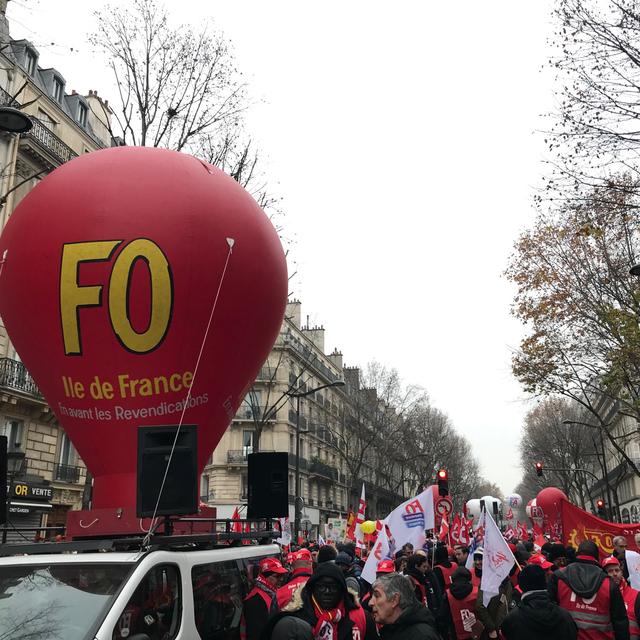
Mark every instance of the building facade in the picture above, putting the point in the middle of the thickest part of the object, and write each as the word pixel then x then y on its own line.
pixel 46 476
pixel 330 483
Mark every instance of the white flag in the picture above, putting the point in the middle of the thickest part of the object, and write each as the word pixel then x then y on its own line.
pixel 359 533
pixel 285 537
pixel 632 558
pixel 379 552
pixel 408 522
pixel 496 561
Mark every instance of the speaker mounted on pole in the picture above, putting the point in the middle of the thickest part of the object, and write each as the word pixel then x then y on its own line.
pixel 268 485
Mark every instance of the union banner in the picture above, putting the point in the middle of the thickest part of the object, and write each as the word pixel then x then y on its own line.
pixel 579 525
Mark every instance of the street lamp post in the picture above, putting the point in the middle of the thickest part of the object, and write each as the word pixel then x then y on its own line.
pixel 605 471
pixel 297 396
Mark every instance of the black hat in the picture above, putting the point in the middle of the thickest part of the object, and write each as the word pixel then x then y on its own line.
pixel 291 628
pixel 532 578
pixel 461 574
pixel 522 557
pixel 557 551
pixel 344 559
pixel 588 548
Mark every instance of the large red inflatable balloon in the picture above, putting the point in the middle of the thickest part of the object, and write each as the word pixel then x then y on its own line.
pixel 549 500
pixel 138 284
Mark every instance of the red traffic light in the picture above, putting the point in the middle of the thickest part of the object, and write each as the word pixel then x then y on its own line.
pixel 539 468
pixel 600 504
pixel 442 474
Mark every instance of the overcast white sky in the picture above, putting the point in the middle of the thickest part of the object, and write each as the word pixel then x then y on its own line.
pixel 401 137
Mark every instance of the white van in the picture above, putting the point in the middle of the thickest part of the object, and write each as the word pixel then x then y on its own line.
pixel 96 591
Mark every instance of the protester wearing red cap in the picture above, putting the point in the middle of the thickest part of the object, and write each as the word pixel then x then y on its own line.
pixel 302 564
pixel 261 600
pixel 541 561
pixel 384 566
pixel 612 567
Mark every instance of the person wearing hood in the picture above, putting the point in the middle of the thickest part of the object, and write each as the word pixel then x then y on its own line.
pixel 444 568
pixel 398 614
pixel 325 603
pixel 536 617
pixel 590 596
pixel 476 569
pixel 346 562
pixel 460 605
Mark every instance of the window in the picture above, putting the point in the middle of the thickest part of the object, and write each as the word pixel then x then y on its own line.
pixel 155 609
pixel 204 488
pixel 46 120
pixel 247 442
pixel 217 599
pixel 292 444
pixel 66 452
pixel 57 90
pixel 14 430
pixel 30 62
pixel 83 112
pixel 244 484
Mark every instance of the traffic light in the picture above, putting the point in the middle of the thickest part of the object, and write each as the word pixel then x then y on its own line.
pixel 600 507
pixel 539 468
pixel 443 482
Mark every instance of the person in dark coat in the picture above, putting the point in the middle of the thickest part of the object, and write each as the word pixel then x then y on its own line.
pixel 585 580
pixel 536 617
pixel 325 603
pixel 261 600
pixel 398 614
pixel 425 584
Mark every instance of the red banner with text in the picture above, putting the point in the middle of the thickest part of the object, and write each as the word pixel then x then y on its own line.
pixel 579 525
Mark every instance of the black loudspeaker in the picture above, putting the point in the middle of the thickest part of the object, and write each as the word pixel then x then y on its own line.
pixel 482 506
pixel 268 485
pixel 180 492
pixel 4 505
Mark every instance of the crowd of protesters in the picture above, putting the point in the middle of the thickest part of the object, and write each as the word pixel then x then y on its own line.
pixel 555 592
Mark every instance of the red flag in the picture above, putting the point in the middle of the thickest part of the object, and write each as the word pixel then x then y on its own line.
pixel 444 529
pixel 465 536
pixel 509 533
pixel 351 525
pixel 456 525
pixel 236 527
pixel 523 534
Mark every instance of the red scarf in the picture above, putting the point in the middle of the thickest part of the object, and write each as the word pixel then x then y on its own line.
pixel 327 626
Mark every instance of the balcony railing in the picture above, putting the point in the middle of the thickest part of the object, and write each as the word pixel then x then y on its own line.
pixel 66 473
pixel 49 141
pixel 292 461
pixel 14 375
pixel 320 468
pixel 239 456
pixel 43 136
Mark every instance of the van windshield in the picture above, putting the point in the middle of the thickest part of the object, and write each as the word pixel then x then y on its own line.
pixel 56 601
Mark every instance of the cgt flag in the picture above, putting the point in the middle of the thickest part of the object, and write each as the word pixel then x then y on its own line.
pixel 379 552
pixel 407 523
pixel 496 561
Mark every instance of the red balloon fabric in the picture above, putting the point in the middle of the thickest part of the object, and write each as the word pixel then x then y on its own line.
pixel 549 500
pixel 113 267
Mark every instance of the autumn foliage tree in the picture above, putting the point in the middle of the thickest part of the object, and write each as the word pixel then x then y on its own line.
pixel 580 305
